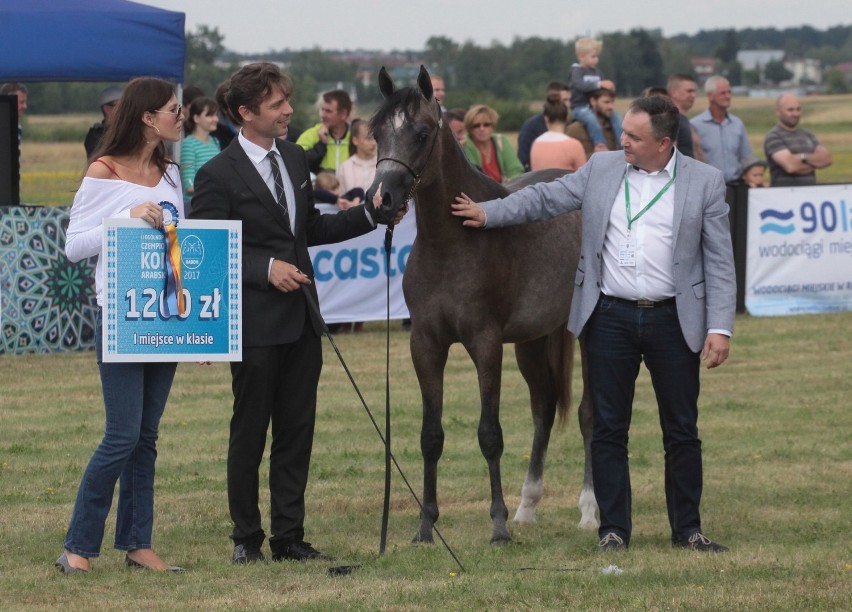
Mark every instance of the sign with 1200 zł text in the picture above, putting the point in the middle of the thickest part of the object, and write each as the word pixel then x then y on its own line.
pixel 141 322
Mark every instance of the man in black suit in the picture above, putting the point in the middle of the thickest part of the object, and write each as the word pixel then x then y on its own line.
pixel 264 181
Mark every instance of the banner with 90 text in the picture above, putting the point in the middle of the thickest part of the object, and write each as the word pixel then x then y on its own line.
pixel 137 324
pixel 799 254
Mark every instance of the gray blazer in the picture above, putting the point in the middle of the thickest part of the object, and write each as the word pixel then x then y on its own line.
pixel 703 265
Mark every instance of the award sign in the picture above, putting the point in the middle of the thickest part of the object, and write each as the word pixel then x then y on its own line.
pixel 147 273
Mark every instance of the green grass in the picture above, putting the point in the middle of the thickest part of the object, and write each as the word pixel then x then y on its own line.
pixel 775 423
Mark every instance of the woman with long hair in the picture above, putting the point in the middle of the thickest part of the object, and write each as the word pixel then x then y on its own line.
pixel 130 177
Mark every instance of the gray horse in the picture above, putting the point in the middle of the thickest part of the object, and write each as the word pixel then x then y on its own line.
pixel 480 288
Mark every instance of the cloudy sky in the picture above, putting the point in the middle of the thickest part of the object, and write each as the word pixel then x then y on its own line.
pixel 255 26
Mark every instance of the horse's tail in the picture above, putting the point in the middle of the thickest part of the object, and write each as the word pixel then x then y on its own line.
pixel 562 368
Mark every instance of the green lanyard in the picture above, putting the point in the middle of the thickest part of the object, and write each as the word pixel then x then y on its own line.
pixel 630 219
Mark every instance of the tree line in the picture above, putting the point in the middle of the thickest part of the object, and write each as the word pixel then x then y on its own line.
pixel 509 77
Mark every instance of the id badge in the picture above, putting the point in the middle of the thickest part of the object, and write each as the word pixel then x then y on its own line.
pixel 627 253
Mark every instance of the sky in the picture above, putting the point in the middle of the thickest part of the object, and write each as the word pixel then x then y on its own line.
pixel 257 26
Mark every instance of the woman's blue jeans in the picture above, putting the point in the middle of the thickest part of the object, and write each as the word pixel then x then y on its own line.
pixel 134 397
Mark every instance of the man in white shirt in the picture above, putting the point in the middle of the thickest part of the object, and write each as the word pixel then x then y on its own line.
pixel 655 283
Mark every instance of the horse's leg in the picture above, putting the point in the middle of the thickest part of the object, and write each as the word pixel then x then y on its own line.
pixel 533 363
pixel 429 360
pixel 588 504
pixel 487 354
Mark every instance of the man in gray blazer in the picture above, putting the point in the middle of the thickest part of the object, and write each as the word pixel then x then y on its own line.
pixel 656 283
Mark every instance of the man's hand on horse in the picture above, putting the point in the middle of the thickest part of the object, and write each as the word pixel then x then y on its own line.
pixel 469 210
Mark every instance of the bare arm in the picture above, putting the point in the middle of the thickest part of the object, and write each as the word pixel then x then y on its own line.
pixel 820 158
pixel 792 163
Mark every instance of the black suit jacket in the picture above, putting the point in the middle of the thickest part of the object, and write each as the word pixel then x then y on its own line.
pixel 229 187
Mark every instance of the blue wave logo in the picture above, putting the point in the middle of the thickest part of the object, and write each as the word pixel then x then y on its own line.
pixel 770 213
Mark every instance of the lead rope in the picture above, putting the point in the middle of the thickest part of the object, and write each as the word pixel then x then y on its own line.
pixel 312 304
pixel 383 539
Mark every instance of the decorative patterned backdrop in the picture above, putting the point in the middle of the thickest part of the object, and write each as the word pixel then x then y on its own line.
pixel 47 303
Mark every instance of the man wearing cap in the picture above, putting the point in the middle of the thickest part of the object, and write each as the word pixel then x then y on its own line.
pixel 752 170
pixel 793 154
pixel 109 98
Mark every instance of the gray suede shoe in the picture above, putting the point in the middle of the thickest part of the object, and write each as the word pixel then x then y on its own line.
pixel 66 568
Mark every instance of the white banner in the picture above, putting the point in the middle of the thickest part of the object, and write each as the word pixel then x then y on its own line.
pixel 351 276
pixel 799 254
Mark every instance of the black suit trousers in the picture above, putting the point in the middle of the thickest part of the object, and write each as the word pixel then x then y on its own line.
pixel 276 384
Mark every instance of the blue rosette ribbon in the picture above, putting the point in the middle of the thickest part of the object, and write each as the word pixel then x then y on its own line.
pixel 175 303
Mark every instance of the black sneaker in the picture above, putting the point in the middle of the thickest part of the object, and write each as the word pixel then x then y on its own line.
pixel 699 541
pixel 300 551
pixel 612 541
pixel 244 553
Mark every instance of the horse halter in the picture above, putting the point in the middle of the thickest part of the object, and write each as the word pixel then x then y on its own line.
pixel 418 175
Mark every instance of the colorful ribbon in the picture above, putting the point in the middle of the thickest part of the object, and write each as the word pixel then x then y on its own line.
pixel 175 302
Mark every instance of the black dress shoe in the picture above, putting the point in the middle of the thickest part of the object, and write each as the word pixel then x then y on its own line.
pixel 300 551
pixel 174 569
pixel 612 541
pixel 245 553
pixel 700 542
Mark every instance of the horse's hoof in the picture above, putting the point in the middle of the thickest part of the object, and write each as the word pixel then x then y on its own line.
pixel 421 539
pixel 588 524
pixel 501 541
pixel 525 515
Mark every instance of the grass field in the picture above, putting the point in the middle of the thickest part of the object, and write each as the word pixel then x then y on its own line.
pixel 775 422
pixel 51 170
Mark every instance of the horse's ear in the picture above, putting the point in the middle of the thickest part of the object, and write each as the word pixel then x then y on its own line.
pixel 385 83
pixel 424 82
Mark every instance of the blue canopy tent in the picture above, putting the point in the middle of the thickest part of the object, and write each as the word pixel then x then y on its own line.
pixel 89 40
pixel 46 302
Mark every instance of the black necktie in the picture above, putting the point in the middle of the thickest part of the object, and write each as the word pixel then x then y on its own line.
pixel 279 185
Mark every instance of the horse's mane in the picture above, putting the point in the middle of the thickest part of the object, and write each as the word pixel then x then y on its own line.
pixel 408 99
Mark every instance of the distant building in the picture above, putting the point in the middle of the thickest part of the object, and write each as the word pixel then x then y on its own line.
pixel 757 59
pixel 805 71
pixel 704 67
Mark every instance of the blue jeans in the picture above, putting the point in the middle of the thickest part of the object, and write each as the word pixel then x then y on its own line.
pixel 618 337
pixel 585 115
pixel 134 397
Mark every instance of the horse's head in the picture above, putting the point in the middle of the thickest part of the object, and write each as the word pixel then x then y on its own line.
pixel 406 128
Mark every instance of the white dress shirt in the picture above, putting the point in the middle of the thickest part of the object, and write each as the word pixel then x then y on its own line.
pixel 652 233
pixel 257 155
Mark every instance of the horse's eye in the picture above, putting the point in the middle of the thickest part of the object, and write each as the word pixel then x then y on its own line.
pixel 422 135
